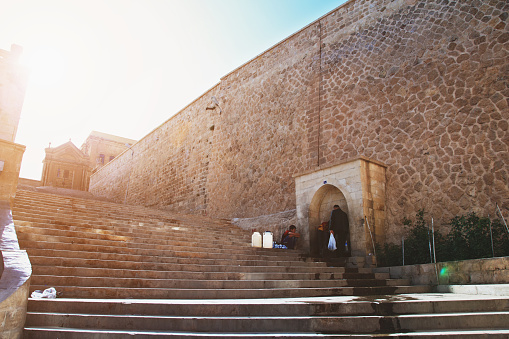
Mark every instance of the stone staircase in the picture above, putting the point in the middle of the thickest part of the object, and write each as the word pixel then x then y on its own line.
pixel 127 271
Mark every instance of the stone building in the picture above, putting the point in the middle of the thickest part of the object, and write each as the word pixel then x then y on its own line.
pixel 102 148
pixel 382 106
pixel 13 80
pixel 66 166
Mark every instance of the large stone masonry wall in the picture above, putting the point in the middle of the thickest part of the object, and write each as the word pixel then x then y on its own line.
pixel 421 86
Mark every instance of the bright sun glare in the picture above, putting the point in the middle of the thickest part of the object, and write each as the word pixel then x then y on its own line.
pixel 47 66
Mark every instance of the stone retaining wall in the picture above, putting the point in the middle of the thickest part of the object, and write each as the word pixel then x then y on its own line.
pixel 465 272
pixel 420 86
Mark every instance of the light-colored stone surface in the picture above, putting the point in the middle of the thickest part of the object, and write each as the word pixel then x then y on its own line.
pixel 275 223
pixel 490 289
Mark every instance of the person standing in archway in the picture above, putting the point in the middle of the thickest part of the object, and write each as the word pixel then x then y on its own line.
pixel 338 225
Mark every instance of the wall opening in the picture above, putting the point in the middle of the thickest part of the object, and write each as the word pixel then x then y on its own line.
pixel 320 210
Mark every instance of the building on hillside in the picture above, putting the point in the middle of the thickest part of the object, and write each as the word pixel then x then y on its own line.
pixel 66 166
pixel 383 107
pixel 13 81
pixel 101 148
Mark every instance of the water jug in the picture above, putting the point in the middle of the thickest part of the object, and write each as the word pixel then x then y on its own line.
pixel 256 239
pixel 267 239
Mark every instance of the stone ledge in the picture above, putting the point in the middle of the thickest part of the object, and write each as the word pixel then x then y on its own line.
pixel 486 271
pixel 487 289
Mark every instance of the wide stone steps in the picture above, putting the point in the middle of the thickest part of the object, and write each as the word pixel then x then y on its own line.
pixel 323 324
pixel 87 207
pixel 163 238
pixel 119 282
pixel 127 227
pixel 405 316
pixel 249 260
pixel 93 251
pixel 85 245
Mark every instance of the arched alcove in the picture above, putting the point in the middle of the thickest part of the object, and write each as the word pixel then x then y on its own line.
pixel 358 187
pixel 320 210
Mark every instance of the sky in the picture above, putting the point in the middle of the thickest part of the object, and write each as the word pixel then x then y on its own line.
pixel 124 67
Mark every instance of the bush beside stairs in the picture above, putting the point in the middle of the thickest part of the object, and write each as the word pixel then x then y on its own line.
pixel 132 272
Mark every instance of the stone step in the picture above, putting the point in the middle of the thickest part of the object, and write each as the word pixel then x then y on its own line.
pixel 120 226
pixel 247 260
pixel 36 199
pixel 216 245
pixel 157 238
pixel 71 333
pixel 84 235
pixel 425 303
pixel 144 282
pixel 118 219
pixel 134 246
pixel 87 251
pixel 201 275
pixel 197 266
pixel 169 293
pixel 361 324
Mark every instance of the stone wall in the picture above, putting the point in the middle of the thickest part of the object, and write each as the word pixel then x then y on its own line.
pixel 465 272
pixel 420 86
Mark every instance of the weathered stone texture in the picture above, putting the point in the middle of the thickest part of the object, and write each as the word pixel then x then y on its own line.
pixel 421 86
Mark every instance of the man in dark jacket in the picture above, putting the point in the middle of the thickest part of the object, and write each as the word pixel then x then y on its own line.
pixel 340 228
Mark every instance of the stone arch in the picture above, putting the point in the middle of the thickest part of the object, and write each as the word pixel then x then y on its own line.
pixel 361 181
pixel 320 208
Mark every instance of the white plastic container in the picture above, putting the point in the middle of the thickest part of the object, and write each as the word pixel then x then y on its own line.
pixel 267 239
pixel 256 239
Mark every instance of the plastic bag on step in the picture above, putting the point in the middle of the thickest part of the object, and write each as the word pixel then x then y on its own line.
pixel 49 293
pixel 332 243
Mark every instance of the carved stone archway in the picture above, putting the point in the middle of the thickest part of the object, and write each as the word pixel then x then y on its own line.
pixel 320 210
pixel 359 186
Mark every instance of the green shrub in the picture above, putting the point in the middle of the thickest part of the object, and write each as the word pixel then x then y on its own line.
pixel 469 238
pixel 388 255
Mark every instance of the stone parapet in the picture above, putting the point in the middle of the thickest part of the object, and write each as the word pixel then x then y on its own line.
pixel 14 279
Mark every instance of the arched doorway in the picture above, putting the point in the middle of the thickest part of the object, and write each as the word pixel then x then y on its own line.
pixel 320 210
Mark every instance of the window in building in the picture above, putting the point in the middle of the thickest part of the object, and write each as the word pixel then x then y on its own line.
pixel 66 174
pixel 101 158
pixel 112 157
pixel 58 173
